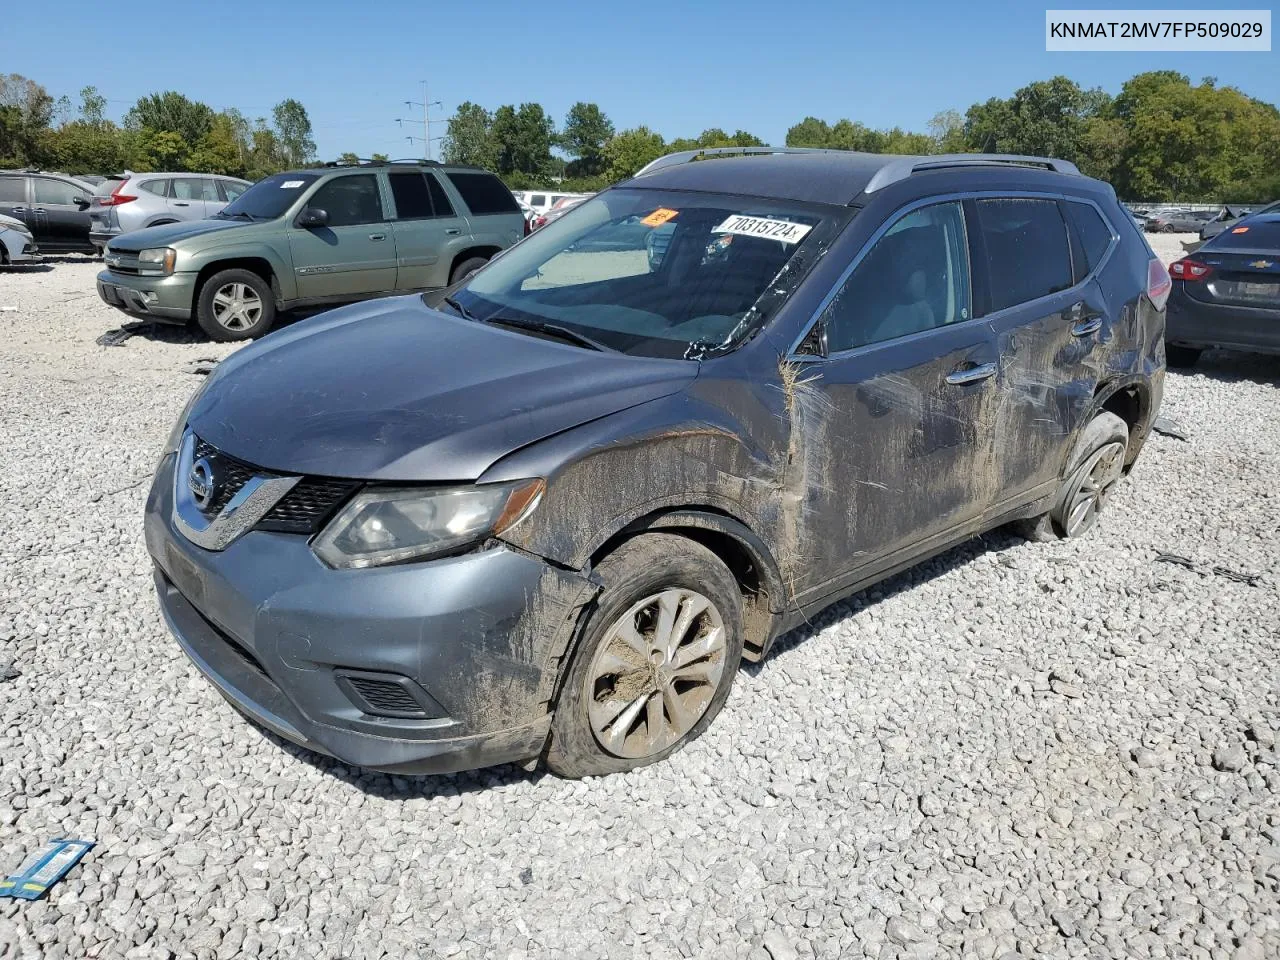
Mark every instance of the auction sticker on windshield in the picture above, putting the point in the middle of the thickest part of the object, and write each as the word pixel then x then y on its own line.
pixel 291 184
pixel 764 227
pixel 659 217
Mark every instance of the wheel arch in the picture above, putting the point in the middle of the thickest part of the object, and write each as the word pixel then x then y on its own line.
pixel 258 265
pixel 488 251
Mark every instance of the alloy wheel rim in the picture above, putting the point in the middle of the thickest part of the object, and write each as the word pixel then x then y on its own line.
pixel 655 673
pixel 236 306
pixel 1097 474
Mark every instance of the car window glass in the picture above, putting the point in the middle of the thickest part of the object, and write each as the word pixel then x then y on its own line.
pixel 232 189
pixel 413 200
pixel 439 199
pixel 537 200
pixel 1094 234
pixel 484 193
pixel 158 187
pixel 13 190
pixel 56 191
pixel 1251 234
pixel 350 200
pixel 1028 255
pixel 209 190
pixel 186 188
pixel 914 278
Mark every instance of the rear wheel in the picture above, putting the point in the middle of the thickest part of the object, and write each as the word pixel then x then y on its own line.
pixel 1091 474
pixel 235 305
pixel 1168 228
pixel 466 268
pixel 1181 356
pixel 655 661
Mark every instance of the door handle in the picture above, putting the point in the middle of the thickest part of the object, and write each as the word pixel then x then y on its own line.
pixel 453 231
pixel 971 374
pixel 17 209
pixel 39 210
pixel 377 236
pixel 181 203
pixel 1082 328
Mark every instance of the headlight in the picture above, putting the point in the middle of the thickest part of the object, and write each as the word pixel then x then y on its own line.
pixel 180 426
pixel 158 258
pixel 382 526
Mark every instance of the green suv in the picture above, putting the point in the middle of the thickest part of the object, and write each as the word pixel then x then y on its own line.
pixel 310 237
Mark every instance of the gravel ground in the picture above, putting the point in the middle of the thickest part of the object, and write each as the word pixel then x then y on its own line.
pixel 1062 750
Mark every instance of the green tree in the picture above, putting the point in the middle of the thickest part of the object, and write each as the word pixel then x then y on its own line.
pixel 173 112
pixel 219 150
pixel 586 131
pixel 293 128
pixel 522 139
pixel 468 137
pixel 947 131
pixel 630 150
pixel 162 150
pixel 26 110
pixel 809 132
pixel 93 107
pixel 1045 118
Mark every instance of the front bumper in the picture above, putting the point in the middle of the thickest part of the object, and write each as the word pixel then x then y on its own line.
pixel 276 631
pixel 27 252
pixel 167 299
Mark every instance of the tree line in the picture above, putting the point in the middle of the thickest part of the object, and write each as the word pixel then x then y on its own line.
pixel 161 131
pixel 1161 138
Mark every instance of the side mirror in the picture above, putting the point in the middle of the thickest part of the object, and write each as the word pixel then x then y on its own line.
pixel 313 217
pixel 82 202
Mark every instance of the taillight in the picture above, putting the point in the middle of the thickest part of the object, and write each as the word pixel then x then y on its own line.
pixel 116 197
pixel 1190 270
pixel 1158 283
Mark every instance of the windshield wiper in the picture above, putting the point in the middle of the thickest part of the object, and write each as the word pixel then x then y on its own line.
pixel 551 330
pixel 462 311
pixel 223 215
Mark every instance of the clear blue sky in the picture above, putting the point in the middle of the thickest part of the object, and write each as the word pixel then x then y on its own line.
pixel 678 67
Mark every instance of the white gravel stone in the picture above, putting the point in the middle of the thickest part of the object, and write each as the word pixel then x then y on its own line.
pixel 898 779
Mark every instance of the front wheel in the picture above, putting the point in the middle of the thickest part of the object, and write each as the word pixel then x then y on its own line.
pixel 235 305
pixel 1095 466
pixel 655 660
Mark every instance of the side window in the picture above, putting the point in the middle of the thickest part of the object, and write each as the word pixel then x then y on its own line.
pixel 439 199
pixel 1092 230
pixel 914 278
pixel 56 191
pixel 13 190
pixel 1028 254
pixel 350 200
pixel 413 200
pixel 157 187
pixel 187 188
pixel 232 190
pixel 483 193
pixel 209 190
pixel 537 200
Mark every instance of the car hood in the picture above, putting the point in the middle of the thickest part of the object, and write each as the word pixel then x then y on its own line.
pixel 167 234
pixel 12 223
pixel 393 390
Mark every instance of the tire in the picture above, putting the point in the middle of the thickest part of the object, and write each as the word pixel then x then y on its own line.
pixel 609 677
pixel 1168 228
pixel 466 268
pixel 1181 356
pixel 247 310
pixel 1095 466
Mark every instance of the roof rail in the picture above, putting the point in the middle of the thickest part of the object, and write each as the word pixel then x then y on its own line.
pixel 688 156
pixel 903 167
pixel 366 162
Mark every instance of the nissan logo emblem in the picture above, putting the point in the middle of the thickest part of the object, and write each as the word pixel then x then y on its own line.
pixel 200 481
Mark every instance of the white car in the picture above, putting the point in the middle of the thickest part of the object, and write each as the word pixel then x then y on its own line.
pixel 16 244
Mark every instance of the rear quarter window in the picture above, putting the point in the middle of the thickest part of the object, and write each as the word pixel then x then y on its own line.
pixel 1093 233
pixel 483 193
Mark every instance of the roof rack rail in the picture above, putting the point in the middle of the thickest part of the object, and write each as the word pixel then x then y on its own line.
pixel 688 156
pixel 903 167
pixel 366 162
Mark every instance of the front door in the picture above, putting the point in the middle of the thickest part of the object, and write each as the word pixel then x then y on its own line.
pixel 427 230
pixel 894 440
pixel 59 222
pixel 354 254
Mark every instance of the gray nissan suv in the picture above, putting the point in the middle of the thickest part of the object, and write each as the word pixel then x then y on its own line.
pixel 545 513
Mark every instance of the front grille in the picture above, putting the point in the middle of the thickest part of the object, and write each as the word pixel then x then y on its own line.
pixel 304 509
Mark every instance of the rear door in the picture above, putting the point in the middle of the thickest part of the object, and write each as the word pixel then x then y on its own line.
pixel 898 413
pixel 355 253
pixel 427 230
pixel 1051 322
pixel 189 198
pixel 14 200
pixel 63 222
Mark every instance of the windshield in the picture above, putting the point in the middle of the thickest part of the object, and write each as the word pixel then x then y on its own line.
pixel 268 198
pixel 655 273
